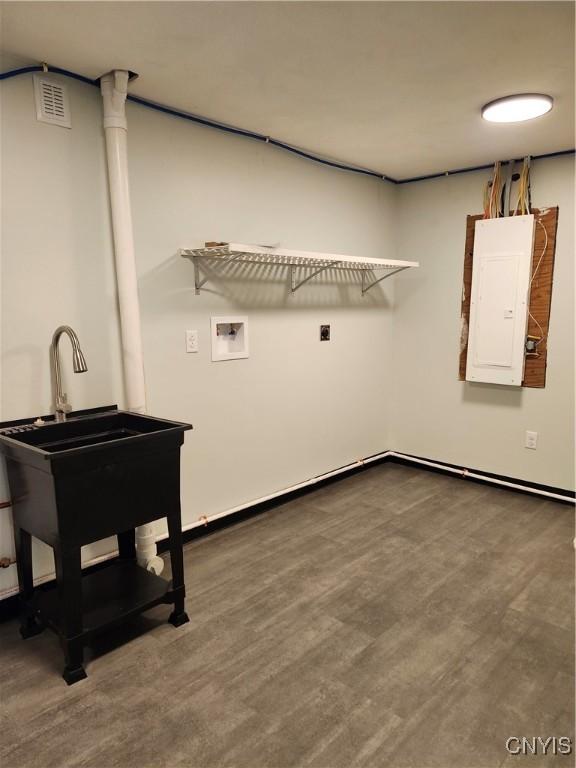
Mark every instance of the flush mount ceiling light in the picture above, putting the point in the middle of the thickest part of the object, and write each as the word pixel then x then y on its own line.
pixel 515 109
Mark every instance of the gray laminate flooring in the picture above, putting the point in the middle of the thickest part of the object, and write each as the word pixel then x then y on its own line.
pixel 395 619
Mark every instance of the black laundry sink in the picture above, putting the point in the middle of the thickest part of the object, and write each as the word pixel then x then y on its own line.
pixel 92 475
pixel 107 430
pixel 97 474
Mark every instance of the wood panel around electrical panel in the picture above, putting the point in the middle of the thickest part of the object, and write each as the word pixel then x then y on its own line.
pixel 540 293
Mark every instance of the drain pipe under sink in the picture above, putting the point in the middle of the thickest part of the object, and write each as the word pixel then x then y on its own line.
pixel 114 88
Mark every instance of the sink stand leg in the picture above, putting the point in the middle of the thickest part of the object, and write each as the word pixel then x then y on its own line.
pixel 29 622
pixel 69 580
pixel 178 615
pixel 74 657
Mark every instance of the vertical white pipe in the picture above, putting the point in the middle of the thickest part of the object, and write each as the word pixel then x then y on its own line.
pixel 114 88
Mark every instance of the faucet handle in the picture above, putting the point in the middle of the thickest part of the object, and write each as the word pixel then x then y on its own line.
pixel 63 406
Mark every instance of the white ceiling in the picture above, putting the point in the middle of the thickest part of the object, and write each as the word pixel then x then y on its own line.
pixel 392 86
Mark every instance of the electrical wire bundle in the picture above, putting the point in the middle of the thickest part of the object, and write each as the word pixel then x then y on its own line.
pixel 523 206
pixel 524 202
pixel 493 209
pixel 493 194
pixel 537 339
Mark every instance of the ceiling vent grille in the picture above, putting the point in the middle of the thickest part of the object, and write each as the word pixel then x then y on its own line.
pixel 51 101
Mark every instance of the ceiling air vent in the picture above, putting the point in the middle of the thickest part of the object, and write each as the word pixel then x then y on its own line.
pixel 51 101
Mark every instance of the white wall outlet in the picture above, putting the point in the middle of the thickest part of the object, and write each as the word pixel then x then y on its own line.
pixel 531 440
pixel 191 341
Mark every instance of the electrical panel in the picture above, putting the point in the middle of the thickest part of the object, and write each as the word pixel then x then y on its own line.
pixel 501 274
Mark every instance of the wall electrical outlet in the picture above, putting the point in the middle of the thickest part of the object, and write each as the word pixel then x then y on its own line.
pixel 531 440
pixel 324 333
pixel 191 341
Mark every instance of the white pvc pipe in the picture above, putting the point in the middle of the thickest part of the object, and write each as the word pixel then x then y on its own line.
pixel 114 88
pixel 464 473
pixel 312 481
pixel 203 520
pixel 477 476
pixel 114 91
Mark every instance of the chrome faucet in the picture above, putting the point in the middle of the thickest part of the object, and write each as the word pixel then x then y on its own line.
pixel 61 404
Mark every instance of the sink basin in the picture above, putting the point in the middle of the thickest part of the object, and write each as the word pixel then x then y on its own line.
pixel 93 474
pixel 80 441
pixel 32 443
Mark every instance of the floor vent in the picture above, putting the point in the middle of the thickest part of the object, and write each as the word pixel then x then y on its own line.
pixel 51 101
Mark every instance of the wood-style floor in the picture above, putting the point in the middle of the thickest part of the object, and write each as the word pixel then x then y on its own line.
pixel 394 619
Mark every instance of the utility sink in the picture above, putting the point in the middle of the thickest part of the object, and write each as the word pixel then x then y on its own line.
pixel 97 474
pixel 94 474
pixel 107 430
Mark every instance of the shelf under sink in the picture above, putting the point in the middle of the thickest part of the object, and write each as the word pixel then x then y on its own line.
pixel 110 595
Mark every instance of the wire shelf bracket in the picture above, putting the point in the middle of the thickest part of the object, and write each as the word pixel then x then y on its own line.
pixel 295 284
pixel 198 280
pixel 366 288
pixel 296 261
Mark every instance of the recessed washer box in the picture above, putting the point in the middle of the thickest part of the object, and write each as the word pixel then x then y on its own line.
pixel 501 274
pixel 229 336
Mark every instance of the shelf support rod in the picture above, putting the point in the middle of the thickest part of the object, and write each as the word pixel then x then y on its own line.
pixel 296 285
pixel 198 281
pixel 366 288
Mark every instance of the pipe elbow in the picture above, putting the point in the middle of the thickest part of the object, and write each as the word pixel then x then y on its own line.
pixel 114 89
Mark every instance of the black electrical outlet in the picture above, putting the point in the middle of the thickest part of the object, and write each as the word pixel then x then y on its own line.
pixel 324 333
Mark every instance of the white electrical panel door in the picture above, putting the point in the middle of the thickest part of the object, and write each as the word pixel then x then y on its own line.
pixel 501 270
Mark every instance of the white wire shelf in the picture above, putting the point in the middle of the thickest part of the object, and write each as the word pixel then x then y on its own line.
pixel 296 261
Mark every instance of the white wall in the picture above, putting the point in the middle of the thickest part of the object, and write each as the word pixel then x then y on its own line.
pixel 56 267
pixel 480 426
pixel 296 407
